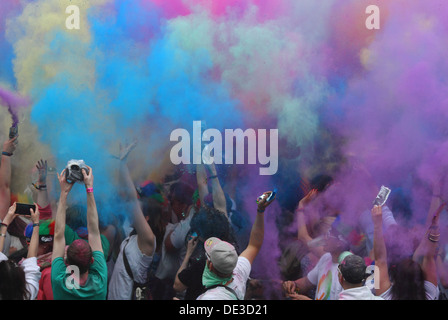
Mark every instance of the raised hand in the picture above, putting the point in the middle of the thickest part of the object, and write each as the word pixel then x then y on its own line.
pixel 88 177
pixel 11 215
pixel 65 186
pixel 263 203
pixel 42 170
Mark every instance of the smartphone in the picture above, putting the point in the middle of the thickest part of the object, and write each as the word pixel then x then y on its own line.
pixel 193 235
pixel 272 195
pixel 24 208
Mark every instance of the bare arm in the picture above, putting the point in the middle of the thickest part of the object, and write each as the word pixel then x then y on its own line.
pixel 426 251
pixel 379 250
pixel 5 177
pixel 302 229
pixel 219 198
pixel 442 270
pixel 178 285
pixel 34 244
pixel 297 289
pixel 201 178
pixel 257 232
pixel 93 225
pixel 145 236
pixel 59 227
pixel 8 218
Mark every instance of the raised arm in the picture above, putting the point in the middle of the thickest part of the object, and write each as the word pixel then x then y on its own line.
pixel 9 216
pixel 42 194
pixel 93 226
pixel 379 250
pixel 59 227
pixel 257 232
pixel 201 178
pixel 5 176
pixel 302 228
pixel 426 252
pixel 145 236
pixel 219 198
pixel 178 286
pixel 34 244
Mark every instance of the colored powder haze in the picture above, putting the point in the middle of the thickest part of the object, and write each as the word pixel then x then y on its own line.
pixel 369 107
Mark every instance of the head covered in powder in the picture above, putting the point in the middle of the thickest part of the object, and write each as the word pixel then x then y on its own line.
pixel 79 253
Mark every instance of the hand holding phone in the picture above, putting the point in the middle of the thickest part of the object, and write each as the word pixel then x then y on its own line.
pixel 24 209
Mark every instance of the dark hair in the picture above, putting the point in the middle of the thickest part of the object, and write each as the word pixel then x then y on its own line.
pixel 12 282
pixel 408 281
pixel 209 222
pixel 153 209
pixel 182 192
pixel 79 253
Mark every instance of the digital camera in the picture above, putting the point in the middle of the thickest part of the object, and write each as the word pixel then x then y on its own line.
pixel 74 171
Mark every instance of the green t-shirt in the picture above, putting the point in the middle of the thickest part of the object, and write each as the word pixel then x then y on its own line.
pixel 95 287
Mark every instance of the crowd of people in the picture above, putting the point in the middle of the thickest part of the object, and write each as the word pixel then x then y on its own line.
pixel 182 244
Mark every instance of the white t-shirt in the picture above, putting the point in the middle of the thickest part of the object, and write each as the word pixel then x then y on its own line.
pixel 240 276
pixel 178 236
pixel 432 292
pixel 360 293
pixel 169 262
pixel 120 285
pixel 325 277
pixel 32 274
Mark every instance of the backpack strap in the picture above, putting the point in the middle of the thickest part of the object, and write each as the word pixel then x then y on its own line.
pixel 226 287
pixel 126 262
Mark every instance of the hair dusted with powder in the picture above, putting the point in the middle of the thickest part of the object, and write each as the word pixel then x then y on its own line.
pixel 79 254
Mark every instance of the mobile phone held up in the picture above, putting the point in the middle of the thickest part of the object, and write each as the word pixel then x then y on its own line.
pixel 24 208
pixel 270 197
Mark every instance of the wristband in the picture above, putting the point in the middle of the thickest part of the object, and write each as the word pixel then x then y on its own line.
pixel 259 211
pixel 4 224
pixel 40 187
pixel 212 177
pixel 89 190
pixel 36 224
pixel 6 153
pixel 2 235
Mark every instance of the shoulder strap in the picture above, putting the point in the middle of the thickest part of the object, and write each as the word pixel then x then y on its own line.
pixel 226 287
pixel 126 262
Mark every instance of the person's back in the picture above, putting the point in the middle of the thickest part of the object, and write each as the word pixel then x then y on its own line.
pixel 359 293
pixel 121 283
pixel 67 287
pixel 408 283
pixel 352 276
pixel 207 223
pixel 226 274
pixel 136 251
pixel 84 258
pixel 236 289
